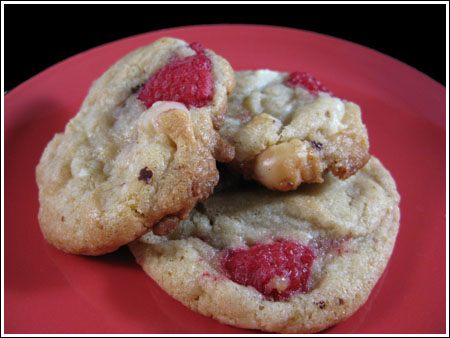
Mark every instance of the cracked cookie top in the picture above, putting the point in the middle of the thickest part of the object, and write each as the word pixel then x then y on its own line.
pixel 288 129
pixel 140 152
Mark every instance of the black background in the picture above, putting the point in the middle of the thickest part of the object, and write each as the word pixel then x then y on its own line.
pixel 38 36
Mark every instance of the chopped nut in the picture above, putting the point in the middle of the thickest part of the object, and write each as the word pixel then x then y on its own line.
pixel 166 226
pixel 285 166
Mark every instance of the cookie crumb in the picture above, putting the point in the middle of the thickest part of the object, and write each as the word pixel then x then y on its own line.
pixel 145 175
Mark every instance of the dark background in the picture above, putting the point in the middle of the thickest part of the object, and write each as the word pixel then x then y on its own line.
pixel 38 36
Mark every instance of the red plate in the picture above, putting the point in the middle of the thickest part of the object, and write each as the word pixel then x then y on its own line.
pixel 47 291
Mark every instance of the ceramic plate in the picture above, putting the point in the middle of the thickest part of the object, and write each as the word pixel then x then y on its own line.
pixel 48 291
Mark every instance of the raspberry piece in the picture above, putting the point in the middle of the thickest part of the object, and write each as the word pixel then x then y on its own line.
pixel 277 270
pixel 307 81
pixel 197 47
pixel 187 80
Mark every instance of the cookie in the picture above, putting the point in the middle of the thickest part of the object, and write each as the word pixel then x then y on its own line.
pixel 288 129
pixel 288 262
pixel 140 152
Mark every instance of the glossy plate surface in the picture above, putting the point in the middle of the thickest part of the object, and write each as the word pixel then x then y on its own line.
pixel 47 291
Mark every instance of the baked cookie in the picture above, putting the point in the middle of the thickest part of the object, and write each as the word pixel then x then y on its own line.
pixel 291 262
pixel 288 129
pixel 140 152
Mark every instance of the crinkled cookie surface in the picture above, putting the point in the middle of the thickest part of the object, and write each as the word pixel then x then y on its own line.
pixel 122 168
pixel 287 132
pixel 348 227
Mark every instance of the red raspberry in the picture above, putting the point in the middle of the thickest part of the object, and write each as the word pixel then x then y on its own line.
pixel 307 81
pixel 197 47
pixel 277 270
pixel 187 80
